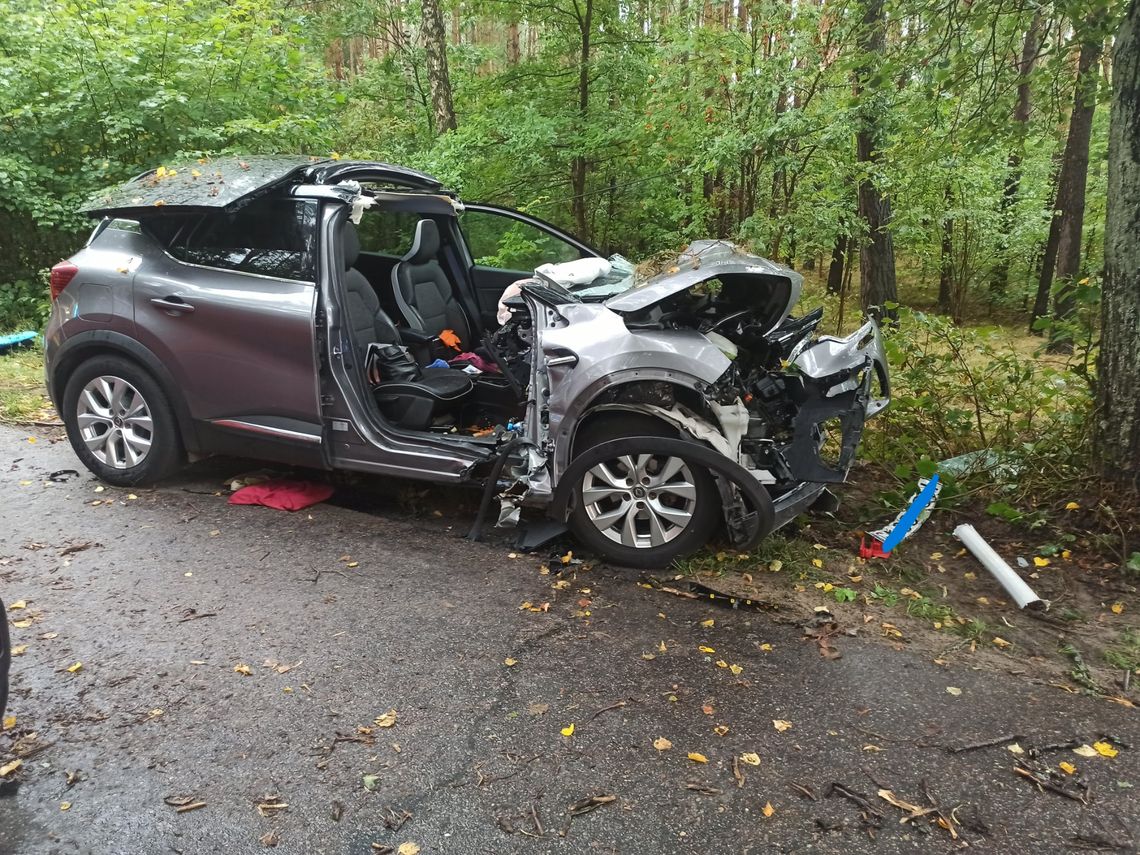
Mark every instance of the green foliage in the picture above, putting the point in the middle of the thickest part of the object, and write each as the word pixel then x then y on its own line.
pixel 24 304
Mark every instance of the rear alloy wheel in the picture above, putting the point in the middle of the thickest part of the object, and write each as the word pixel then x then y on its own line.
pixel 642 508
pixel 120 422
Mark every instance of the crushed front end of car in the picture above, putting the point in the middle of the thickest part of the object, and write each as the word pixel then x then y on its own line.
pixel 709 347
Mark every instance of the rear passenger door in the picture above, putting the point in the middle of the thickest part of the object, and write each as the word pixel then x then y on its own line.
pixel 504 246
pixel 229 307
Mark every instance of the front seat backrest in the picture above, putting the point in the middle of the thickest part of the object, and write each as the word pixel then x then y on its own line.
pixel 365 317
pixel 423 292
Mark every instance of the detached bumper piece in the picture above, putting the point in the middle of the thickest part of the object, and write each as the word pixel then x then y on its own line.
pixel 834 390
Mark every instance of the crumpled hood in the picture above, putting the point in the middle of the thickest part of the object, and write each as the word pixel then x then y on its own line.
pixel 749 280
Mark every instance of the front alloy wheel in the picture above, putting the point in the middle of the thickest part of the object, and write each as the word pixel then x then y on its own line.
pixel 640 501
pixel 114 421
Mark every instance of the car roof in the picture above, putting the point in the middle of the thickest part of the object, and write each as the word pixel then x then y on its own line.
pixel 227 182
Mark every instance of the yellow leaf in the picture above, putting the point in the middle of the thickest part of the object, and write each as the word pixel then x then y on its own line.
pixel 568 730
pixel 721 730
pixel 720 663
pixel 386 720
pixel 776 566
pixel 768 809
pixel 780 724
pixel 8 723
pixel 736 669
pixel 953 690
pixel 22 624
pixel 1085 751
pixel 32 440
pixel 243 669
pixel 935 556
pixel 65 806
pixel 1015 749
pixel 662 744
pixel 1117 608
pixel 408 848
pixel 8 769
pixel 72 669
pixel 817 562
pixel 750 758
pixel 705 649
pixel 1071 506
pixel 19 604
pixel 1067 767
pixel 661 648
pixel 708 622
pixel 568 557
pixel 998 641
pixel 767 648
pixel 19 649
pixel 194 173
pixel 697 757
pixel 1066 554
pixel 351 564
pixel 510 663
pixel 1105 749
pixel 1038 561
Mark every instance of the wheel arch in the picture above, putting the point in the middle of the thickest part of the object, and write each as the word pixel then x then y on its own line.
pixel 77 349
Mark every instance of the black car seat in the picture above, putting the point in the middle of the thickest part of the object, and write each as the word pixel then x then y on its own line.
pixel 424 294
pixel 413 403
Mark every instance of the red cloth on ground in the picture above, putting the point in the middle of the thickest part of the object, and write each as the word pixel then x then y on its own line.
pixel 282 494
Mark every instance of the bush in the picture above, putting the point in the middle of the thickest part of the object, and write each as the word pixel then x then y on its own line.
pixel 958 390
pixel 24 304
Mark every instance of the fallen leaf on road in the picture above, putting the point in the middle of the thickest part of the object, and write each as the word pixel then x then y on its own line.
pixel 74 669
pixel 1105 749
pixel 408 848
pixel 371 783
pixel 720 663
pixel 736 670
pixel 22 624
pixel 386 720
pixel 768 809
pixel 661 648
pixel 568 557
pixel 998 641
pixel 767 648
pixel 1014 748
pixel 662 744
pixel 242 668
pixel 721 730
pixel 8 723
pixel 1117 608
pixel 1040 562
pixel 709 622
pixel 1085 751
pixel 568 730
pixel 707 709
pixel 48 636
pixel 537 709
pixel 1067 767
pixel 9 768
pixel 510 663
pixel 19 604
pixel 890 797
pixel 269 839
pixel 750 758
pixel 19 649
pixel 1071 506
pixel 705 649
pixel 780 724
pixel 953 690
pixel 65 806
pixel 697 757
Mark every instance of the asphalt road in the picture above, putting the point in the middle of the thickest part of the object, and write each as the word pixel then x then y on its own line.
pixel 394 611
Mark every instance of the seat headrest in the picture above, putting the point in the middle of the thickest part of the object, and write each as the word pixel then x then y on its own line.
pixel 349 244
pixel 425 247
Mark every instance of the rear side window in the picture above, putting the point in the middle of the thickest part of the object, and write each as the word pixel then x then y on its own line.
pixel 388 232
pixel 269 237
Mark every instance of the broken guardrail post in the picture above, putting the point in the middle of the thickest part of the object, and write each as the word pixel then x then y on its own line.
pixel 1014 585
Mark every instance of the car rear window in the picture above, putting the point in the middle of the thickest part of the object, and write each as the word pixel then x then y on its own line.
pixel 268 237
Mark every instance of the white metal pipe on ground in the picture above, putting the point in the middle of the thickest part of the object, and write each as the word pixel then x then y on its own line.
pixel 1014 585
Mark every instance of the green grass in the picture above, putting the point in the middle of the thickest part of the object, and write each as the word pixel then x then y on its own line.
pixel 22 394
pixel 1125 654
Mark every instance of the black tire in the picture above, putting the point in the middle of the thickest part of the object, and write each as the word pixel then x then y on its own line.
pixel 125 463
pixel 5 658
pixel 704 514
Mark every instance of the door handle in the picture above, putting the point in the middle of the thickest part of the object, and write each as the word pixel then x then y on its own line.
pixel 172 304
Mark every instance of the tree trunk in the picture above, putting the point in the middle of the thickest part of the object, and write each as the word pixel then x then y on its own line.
pixel 999 279
pixel 579 166
pixel 1118 385
pixel 946 262
pixel 513 43
pixel 835 270
pixel 1074 177
pixel 435 50
pixel 877 257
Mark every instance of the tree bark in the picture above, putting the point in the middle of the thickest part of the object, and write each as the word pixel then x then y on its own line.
pixel 835 270
pixel 877 258
pixel 946 262
pixel 435 50
pixel 999 279
pixel 1071 192
pixel 1118 384
pixel 579 166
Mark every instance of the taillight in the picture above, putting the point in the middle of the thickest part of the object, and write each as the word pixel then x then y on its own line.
pixel 61 274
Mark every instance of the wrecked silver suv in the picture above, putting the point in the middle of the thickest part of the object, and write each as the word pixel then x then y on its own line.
pixel 358 316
